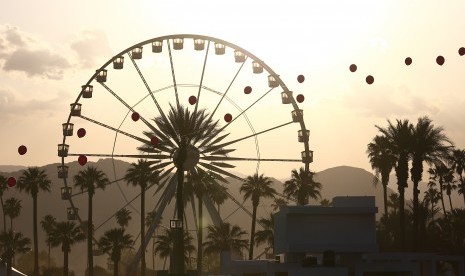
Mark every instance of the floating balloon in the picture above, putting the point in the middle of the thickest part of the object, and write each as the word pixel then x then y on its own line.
pixel 154 140
pixel 81 132
pixel 228 117
pixel 248 90
pixel 462 51
pixel 300 98
pixel 408 61
pixel 11 181
pixel 440 60
pixel 370 79
pixel 82 160
pixel 300 78
pixel 353 68
pixel 22 149
pixel 192 100
pixel 135 116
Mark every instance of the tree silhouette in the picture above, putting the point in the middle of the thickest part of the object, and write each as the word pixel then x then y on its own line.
pixel 267 234
pixel 302 186
pixel 458 165
pixel 256 187
pixel 123 216
pixel 12 209
pixel 3 188
pixel 224 237
pixel 113 242
pixel 164 246
pixel 12 243
pixel 48 223
pixel 32 181
pixel 89 180
pixel 66 234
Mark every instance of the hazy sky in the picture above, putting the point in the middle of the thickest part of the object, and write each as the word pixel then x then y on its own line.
pixel 48 49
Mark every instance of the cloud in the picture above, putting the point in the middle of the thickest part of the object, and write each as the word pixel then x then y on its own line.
pixel 21 53
pixel 90 46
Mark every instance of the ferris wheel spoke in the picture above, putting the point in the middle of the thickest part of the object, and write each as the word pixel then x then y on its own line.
pixel 201 78
pixel 173 74
pixel 162 176
pixel 217 147
pixel 137 156
pixel 115 129
pixel 147 86
pixel 230 84
pixel 218 170
pixel 227 158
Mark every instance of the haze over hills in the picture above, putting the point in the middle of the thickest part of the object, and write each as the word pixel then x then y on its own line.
pixel 337 181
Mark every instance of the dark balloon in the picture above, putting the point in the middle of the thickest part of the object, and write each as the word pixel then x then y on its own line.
pixel 192 100
pixel 300 78
pixel 353 68
pixel 228 117
pixel 154 141
pixel 81 132
pixel 22 149
pixel 408 61
pixel 440 60
pixel 370 79
pixel 300 98
pixel 248 90
pixel 135 116
pixel 462 51
pixel 11 181
pixel 82 160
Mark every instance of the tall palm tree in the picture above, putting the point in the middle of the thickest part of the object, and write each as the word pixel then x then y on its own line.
pixel 400 139
pixel 89 180
pixel 48 223
pixel 278 202
pixel 142 175
pixel 393 202
pixel 449 185
pixel 458 164
pixel 32 181
pixel 438 173
pixel 3 188
pixel 267 234
pixel 431 197
pixel 224 237
pixel 12 209
pixel 164 245
pixel 382 160
pixel 429 144
pixel 302 186
pixel 218 194
pixel 113 242
pixel 256 187
pixel 12 243
pixel 123 216
pixel 66 234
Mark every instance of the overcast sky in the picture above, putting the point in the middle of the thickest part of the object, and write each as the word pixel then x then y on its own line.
pixel 48 49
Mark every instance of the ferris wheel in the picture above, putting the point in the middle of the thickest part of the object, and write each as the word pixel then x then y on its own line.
pixel 188 103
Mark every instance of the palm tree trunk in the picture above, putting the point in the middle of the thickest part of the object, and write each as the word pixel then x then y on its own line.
pixel 442 196
pixel 9 269
pixel 252 231
pixel 450 201
pixel 65 262
pixel 402 217
pixel 432 211
pixel 90 259
pixel 385 180
pixel 11 224
pixel 36 242
pixel 49 247
pixel 115 268
pixel 142 229
pixel 415 215
pixel 4 217
pixel 200 237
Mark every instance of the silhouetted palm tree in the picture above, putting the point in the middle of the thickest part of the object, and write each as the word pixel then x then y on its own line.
pixel 66 234
pixel 256 187
pixel 431 197
pixel 267 234
pixel 449 185
pixel 326 202
pixel 142 175
pixel 123 216
pixel 278 202
pixel 458 164
pixel 113 242
pixel 382 160
pixel 400 139
pixel 224 237
pixel 218 194
pixel 12 243
pixel 3 188
pixel 12 209
pixel 437 173
pixel 32 181
pixel 429 144
pixel 89 180
pixel 302 186
pixel 393 202
pixel 48 223
pixel 164 245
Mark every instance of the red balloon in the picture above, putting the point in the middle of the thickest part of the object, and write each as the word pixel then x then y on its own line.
pixel 192 100
pixel 408 61
pixel 82 160
pixel 81 132
pixel 300 98
pixel 462 51
pixel 135 116
pixel 11 181
pixel 300 78
pixel 154 140
pixel 353 68
pixel 228 117
pixel 22 149
pixel 440 60
pixel 370 79
pixel 248 90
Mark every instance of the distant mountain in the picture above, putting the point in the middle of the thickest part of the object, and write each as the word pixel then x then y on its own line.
pixel 10 168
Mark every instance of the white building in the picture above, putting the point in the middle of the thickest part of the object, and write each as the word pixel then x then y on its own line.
pixel 338 240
